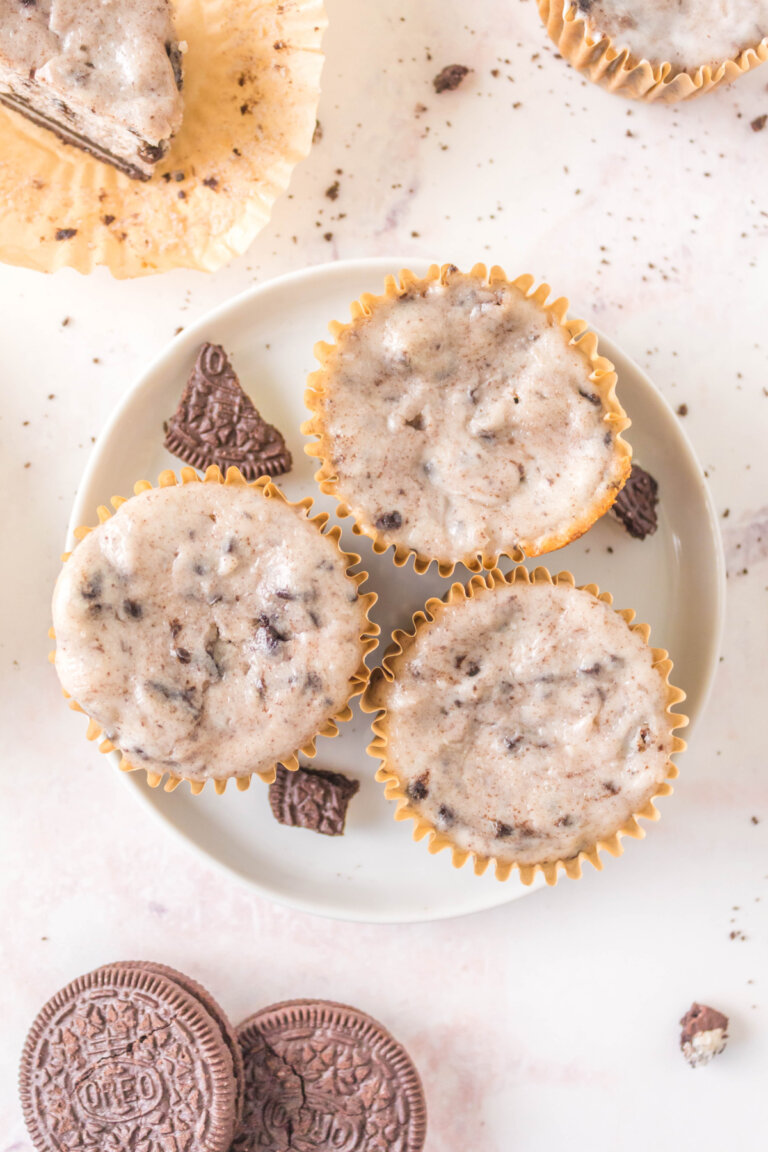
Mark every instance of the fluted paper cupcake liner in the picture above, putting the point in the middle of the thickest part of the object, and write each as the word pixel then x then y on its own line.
pixel 439 840
pixel 368 637
pixel 602 377
pixel 251 90
pixel 595 54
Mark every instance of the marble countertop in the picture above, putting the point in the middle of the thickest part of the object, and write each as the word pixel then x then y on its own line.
pixel 548 1022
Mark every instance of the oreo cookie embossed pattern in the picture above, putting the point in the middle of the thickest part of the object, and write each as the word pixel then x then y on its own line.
pixel 320 1075
pixel 216 423
pixel 126 1058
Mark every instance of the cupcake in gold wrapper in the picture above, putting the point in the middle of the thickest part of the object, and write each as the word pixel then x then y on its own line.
pixel 211 630
pixel 525 722
pixel 658 50
pixel 461 417
pixel 251 75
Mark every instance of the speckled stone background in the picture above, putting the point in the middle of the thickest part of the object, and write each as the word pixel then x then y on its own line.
pixel 551 1022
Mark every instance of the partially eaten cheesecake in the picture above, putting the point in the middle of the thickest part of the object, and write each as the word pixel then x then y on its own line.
pixel 104 75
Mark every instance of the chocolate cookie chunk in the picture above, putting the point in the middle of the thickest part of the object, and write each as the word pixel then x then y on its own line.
pixel 635 505
pixel 216 423
pixel 123 1057
pixel 450 77
pixel 704 1034
pixel 320 1075
pixel 313 799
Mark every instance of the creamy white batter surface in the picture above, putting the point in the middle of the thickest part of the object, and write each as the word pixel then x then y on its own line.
pixel 528 723
pixel 460 421
pixel 687 33
pixel 208 630
pixel 107 55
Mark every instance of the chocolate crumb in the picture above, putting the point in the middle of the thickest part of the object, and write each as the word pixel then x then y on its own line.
pixel 333 192
pixel 682 410
pixel 389 522
pixel 450 77
pixel 211 182
pixel 418 789
pixel 65 233
pixel 758 123
pixel 754 820
pixel 107 220
pixel 502 830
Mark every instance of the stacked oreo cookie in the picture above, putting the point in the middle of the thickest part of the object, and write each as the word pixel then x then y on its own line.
pixel 139 1056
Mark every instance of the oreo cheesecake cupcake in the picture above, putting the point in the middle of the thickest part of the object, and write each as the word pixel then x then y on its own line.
pixel 658 50
pixel 211 630
pixel 459 418
pixel 526 722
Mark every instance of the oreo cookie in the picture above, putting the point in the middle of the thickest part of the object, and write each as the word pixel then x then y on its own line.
pixel 312 798
pixel 213 1008
pixel 217 423
pixel 320 1075
pixel 126 1057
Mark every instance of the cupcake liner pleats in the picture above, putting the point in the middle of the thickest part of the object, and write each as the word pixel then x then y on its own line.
pixel 597 56
pixel 374 701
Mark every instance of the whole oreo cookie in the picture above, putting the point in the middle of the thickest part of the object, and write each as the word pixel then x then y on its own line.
pixel 320 1075
pixel 125 1058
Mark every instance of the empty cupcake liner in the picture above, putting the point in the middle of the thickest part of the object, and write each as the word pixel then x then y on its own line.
pixel 387 773
pixel 602 377
pixel 368 638
pixel 596 55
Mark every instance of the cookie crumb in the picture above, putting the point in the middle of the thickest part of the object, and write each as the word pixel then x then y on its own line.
pixel 450 77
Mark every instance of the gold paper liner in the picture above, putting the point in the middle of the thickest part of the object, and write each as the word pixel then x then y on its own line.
pixel 387 774
pixel 619 71
pixel 251 89
pixel 368 637
pixel 602 377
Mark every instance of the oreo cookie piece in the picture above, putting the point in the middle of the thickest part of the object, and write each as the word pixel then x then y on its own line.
pixel 635 505
pixel 320 1075
pixel 704 1034
pixel 312 798
pixel 217 423
pixel 124 1057
pixel 213 1008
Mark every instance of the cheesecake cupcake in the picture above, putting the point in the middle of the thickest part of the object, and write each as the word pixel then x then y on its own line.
pixel 658 50
pixel 526 722
pixel 460 417
pixel 211 630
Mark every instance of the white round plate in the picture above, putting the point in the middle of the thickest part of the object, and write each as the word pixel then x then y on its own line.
pixel 375 872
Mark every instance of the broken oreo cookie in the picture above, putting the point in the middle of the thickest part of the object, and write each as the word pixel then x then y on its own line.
pixel 320 1075
pixel 312 798
pixel 704 1034
pixel 217 423
pixel 635 505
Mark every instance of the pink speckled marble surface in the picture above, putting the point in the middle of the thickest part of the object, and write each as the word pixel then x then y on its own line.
pixel 551 1022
